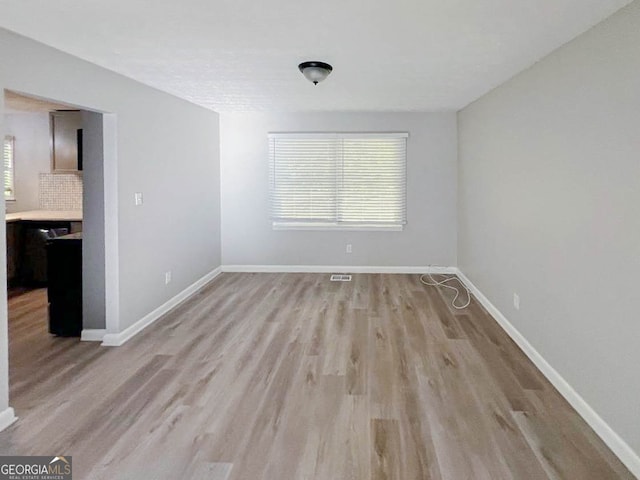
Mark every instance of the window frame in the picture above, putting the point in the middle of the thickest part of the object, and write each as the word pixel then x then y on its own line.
pixel 336 226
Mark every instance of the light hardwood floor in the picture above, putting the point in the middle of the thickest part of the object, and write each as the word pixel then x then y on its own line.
pixel 291 377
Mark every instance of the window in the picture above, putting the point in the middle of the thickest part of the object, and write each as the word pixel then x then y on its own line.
pixel 7 158
pixel 338 181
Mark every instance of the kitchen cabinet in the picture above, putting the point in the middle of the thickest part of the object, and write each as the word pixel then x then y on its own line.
pixel 66 140
pixel 13 252
pixel 27 234
pixel 64 289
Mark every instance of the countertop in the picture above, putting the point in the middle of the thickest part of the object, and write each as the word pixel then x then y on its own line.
pixel 71 236
pixel 45 216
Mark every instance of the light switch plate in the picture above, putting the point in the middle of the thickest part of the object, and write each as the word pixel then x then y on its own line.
pixel 138 198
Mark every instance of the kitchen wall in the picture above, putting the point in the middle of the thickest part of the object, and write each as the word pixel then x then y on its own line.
pixel 549 188
pixel 32 156
pixel 36 187
pixel 166 148
pixel 428 238
pixel 93 247
pixel 60 191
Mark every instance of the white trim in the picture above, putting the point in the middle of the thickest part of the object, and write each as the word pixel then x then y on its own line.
pixel 619 447
pixel 7 417
pixel 117 339
pixel 315 135
pixel 334 269
pixel 93 335
pixel 336 226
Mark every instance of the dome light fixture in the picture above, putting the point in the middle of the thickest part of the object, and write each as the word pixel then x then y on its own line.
pixel 315 71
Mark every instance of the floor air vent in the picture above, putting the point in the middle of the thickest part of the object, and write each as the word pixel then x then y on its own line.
pixel 340 278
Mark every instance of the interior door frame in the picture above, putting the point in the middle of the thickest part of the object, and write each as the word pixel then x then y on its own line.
pixel 111 280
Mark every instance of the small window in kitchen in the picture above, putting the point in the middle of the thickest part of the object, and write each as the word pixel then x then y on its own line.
pixel 7 158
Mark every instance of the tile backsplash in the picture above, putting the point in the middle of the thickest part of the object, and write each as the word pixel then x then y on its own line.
pixel 60 191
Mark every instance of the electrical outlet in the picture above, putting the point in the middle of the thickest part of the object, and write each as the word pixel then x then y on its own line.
pixel 516 301
pixel 167 277
pixel 349 248
pixel 137 198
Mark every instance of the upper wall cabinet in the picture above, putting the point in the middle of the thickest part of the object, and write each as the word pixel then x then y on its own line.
pixel 66 140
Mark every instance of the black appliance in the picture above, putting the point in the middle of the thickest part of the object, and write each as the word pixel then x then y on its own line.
pixel 34 256
pixel 64 262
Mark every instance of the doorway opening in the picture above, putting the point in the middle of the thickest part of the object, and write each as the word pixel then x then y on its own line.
pixel 55 158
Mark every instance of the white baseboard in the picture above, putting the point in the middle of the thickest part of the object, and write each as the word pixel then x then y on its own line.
pixel 335 269
pixel 7 417
pixel 117 339
pixel 93 334
pixel 624 452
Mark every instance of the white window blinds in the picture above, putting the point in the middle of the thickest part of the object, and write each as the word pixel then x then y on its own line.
pixel 7 158
pixel 338 180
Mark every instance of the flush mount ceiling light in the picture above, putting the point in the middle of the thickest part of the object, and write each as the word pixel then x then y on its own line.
pixel 315 71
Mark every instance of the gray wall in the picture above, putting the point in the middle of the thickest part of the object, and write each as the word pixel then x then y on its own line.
pixel 166 148
pixel 32 156
pixel 428 238
pixel 93 248
pixel 549 189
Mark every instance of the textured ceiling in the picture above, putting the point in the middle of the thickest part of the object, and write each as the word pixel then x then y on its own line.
pixel 238 55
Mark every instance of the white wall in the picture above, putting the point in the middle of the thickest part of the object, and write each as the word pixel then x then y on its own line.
pixel 32 156
pixel 549 195
pixel 166 148
pixel 428 238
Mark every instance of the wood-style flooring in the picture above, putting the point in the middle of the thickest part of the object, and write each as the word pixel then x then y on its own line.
pixel 292 377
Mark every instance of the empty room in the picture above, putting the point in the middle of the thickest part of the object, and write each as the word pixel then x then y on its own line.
pixel 320 240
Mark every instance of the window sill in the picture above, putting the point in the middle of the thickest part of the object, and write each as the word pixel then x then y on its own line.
pixel 333 226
